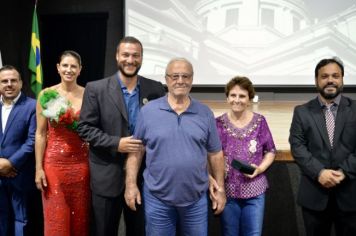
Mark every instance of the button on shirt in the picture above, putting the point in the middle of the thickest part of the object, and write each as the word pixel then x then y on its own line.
pixel 6 110
pixel 132 103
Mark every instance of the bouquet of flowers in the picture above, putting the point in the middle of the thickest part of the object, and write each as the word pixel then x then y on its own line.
pixel 58 109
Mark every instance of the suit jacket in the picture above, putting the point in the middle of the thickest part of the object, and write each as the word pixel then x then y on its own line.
pixel 103 121
pixel 17 142
pixel 312 152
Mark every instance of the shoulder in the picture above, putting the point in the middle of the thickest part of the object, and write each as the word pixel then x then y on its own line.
pixel 53 87
pixel 259 120
pixel 348 101
pixel 28 102
pixel 153 104
pixel 145 81
pixel 101 86
pixel 220 121
pixel 81 91
pixel 101 82
pixel 201 108
pixel 220 118
pixel 97 83
pixel 259 116
pixel 305 107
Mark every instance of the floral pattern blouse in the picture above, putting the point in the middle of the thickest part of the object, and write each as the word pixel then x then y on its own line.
pixel 248 144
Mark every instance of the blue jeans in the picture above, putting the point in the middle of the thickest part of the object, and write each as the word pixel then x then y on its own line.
pixel 161 219
pixel 243 217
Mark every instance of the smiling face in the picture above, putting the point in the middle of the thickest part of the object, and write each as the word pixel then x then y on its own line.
pixel 10 84
pixel 179 78
pixel 129 59
pixel 238 99
pixel 329 81
pixel 69 68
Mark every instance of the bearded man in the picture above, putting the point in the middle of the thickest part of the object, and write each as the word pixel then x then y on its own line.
pixel 107 120
pixel 323 144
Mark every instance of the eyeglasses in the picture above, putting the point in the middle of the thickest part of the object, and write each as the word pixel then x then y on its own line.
pixel 9 81
pixel 177 76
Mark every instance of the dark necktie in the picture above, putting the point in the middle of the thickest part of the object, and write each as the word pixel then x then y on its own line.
pixel 330 122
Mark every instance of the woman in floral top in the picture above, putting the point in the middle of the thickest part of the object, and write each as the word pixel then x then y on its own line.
pixel 245 136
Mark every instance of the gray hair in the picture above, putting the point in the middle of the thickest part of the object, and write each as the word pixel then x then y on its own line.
pixel 179 59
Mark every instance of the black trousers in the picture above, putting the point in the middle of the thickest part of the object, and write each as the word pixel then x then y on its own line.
pixel 319 223
pixel 135 220
pixel 106 214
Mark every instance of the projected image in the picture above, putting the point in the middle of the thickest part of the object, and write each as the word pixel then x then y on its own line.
pixel 271 41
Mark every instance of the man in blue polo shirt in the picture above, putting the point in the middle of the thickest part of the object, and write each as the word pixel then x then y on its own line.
pixel 181 141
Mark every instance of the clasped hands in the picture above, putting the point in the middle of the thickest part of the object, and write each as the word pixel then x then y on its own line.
pixel 6 168
pixel 217 196
pixel 330 178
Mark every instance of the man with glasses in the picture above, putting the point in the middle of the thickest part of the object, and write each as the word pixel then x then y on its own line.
pixel 17 166
pixel 181 142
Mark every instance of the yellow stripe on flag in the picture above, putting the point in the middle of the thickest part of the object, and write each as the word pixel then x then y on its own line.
pixel 34 63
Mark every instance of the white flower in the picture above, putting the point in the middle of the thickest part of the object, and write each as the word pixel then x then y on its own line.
pixel 252 147
pixel 55 107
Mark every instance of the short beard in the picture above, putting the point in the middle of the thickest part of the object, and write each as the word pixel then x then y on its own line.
pixel 329 96
pixel 121 69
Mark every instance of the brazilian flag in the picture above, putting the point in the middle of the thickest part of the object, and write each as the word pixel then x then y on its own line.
pixel 34 63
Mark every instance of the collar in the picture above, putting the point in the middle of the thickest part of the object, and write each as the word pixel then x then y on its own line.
pixel 122 86
pixel 192 108
pixel 12 102
pixel 336 101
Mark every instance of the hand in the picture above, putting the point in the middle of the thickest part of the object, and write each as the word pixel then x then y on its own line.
pixel 217 196
pixel 12 174
pixel 255 173
pixel 6 168
pixel 40 180
pixel 213 187
pixel 132 196
pixel 339 174
pixel 330 178
pixel 218 204
pixel 129 144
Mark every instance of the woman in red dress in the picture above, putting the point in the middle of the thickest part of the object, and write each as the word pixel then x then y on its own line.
pixel 62 169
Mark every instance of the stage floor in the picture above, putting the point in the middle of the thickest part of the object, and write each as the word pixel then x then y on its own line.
pixel 278 115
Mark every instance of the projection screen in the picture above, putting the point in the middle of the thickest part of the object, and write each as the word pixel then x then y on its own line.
pixel 273 42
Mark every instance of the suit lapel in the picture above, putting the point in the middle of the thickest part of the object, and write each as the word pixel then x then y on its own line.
pixel 319 119
pixel 341 117
pixel 143 91
pixel 116 96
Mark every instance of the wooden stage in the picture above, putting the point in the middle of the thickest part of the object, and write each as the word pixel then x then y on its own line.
pixel 278 115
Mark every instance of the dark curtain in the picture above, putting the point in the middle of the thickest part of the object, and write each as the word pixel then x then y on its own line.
pixel 84 33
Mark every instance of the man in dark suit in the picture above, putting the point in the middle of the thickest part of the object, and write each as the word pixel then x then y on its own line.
pixel 17 167
pixel 107 120
pixel 323 144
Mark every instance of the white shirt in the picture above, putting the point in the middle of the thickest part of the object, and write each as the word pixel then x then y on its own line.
pixel 6 109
